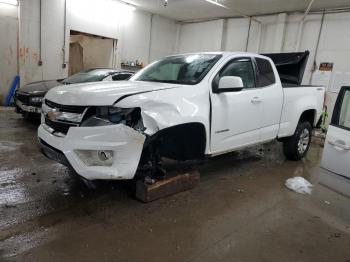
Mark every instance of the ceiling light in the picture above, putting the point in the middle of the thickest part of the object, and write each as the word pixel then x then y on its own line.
pixel 9 2
pixel 215 2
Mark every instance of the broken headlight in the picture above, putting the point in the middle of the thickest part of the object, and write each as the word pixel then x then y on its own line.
pixel 102 116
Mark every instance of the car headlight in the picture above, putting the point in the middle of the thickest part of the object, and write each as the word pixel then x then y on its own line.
pixel 102 116
pixel 36 99
pixel 68 117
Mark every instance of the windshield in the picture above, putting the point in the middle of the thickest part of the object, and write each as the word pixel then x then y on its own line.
pixel 91 75
pixel 182 69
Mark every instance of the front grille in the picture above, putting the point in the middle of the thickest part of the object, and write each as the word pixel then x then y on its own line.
pixel 60 127
pixel 24 98
pixel 65 108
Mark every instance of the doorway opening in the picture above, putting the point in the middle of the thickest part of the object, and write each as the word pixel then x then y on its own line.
pixel 90 51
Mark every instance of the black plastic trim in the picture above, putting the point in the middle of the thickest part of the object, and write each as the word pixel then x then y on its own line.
pixel 53 153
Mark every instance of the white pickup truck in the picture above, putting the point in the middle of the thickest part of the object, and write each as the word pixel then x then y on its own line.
pixel 181 107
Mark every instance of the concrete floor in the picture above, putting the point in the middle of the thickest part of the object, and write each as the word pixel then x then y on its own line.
pixel 241 211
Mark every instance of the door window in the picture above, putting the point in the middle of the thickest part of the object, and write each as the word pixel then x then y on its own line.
pixel 242 68
pixel 265 76
pixel 341 116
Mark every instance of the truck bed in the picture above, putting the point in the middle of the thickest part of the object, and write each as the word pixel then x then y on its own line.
pixel 296 98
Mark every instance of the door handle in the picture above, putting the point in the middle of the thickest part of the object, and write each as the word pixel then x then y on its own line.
pixel 256 100
pixel 339 144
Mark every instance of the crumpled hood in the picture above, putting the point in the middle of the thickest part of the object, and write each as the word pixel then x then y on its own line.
pixel 39 87
pixel 101 93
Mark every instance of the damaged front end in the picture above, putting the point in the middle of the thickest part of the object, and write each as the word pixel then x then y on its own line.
pixel 97 142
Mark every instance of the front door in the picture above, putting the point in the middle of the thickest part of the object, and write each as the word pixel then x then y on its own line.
pixel 336 154
pixel 236 116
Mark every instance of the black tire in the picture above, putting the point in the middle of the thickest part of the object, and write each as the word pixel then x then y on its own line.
pixel 297 146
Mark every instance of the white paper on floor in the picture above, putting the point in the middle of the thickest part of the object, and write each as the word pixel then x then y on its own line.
pixel 299 185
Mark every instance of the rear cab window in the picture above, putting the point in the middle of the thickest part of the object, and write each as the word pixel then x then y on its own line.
pixel 265 73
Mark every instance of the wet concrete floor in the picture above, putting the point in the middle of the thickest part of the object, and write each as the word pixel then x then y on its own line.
pixel 241 211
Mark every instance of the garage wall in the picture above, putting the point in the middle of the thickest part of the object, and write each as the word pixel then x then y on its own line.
pixel 164 36
pixel 29 35
pixel 8 48
pixel 232 29
pixel 136 38
pixel 139 35
pixel 206 36
pixel 277 33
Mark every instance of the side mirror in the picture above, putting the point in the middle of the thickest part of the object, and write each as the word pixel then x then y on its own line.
pixel 230 84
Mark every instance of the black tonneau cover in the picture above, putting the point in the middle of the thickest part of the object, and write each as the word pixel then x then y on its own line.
pixel 290 66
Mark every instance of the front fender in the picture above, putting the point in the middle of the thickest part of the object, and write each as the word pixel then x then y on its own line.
pixel 167 108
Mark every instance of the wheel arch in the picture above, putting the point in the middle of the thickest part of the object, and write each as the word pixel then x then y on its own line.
pixel 308 115
pixel 186 141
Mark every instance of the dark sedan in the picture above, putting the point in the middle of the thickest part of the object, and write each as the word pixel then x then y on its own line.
pixel 28 99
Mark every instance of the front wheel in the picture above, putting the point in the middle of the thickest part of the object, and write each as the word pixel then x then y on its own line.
pixel 296 146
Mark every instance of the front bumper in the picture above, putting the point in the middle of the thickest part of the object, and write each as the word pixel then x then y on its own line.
pixel 125 143
pixel 27 108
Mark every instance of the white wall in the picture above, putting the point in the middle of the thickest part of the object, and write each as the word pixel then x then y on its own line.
pixel 163 37
pixel 231 35
pixel 8 48
pixel 232 29
pixel 206 36
pixel 29 42
pixel 137 39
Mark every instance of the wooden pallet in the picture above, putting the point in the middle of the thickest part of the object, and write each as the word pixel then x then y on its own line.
pixel 173 183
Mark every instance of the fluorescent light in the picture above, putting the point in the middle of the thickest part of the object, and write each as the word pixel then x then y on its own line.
pixel 215 2
pixel 9 2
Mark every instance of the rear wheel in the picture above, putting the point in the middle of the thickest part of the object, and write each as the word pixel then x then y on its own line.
pixel 296 146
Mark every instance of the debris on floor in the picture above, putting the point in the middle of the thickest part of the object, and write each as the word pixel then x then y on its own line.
pixel 299 185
